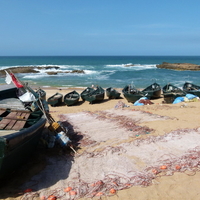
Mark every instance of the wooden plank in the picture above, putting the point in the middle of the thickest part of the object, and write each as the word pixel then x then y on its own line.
pixel 4 122
pixel 18 125
pixel 14 120
pixel 10 124
pixel 20 122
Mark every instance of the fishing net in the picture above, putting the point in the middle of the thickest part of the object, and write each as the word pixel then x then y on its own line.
pixel 115 153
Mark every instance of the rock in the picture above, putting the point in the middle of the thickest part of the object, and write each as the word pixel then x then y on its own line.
pixel 76 71
pixel 28 69
pixel 33 69
pixel 179 66
pixel 52 73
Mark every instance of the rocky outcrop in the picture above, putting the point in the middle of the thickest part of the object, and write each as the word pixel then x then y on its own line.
pixel 179 66
pixel 32 69
pixel 78 71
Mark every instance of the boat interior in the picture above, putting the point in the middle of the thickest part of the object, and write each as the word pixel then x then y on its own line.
pixel 14 116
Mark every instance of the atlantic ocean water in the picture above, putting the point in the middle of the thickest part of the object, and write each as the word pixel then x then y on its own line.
pixel 106 71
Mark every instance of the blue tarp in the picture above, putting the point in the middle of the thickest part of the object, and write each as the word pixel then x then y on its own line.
pixel 187 97
pixel 137 103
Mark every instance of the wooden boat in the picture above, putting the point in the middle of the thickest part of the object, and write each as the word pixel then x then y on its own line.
pixel 86 92
pixel 112 93
pixel 171 92
pixel 55 100
pixel 71 98
pixel 154 90
pixel 41 93
pixel 20 130
pixel 132 94
pixel 191 89
pixel 96 95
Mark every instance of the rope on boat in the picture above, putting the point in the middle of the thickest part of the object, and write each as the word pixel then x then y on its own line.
pixel 56 127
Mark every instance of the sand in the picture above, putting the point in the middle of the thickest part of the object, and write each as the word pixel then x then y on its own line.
pixel 124 156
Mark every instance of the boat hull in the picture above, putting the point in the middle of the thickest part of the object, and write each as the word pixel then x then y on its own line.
pixel 191 89
pixel 26 141
pixel 71 98
pixel 154 91
pixel 55 100
pixel 86 92
pixel 112 93
pixel 171 92
pixel 132 94
pixel 20 131
pixel 95 96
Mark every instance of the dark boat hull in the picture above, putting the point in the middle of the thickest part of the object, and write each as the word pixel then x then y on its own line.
pixel 86 92
pixel 96 95
pixel 154 90
pixel 112 93
pixel 12 159
pixel 171 92
pixel 17 141
pixel 55 100
pixel 71 98
pixel 132 94
pixel 191 89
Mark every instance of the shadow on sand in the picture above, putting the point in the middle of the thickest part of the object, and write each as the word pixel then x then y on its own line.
pixel 44 168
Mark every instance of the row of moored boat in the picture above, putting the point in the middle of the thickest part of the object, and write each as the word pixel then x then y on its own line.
pixel 130 92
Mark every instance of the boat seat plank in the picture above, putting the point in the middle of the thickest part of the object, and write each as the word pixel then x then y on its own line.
pixel 14 120
pixel 4 122
pixel 21 122
pixel 10 124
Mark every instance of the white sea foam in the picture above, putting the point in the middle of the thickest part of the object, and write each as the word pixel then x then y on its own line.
pixel 91 72
pixel 130 66
pixel 35 76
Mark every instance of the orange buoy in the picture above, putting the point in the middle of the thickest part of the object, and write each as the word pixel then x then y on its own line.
pixel 155 171
pixel 163 167
pixel 67 189
pixel 112 191
pixel 52 197
pixel 178 167
pixel 72 193
pixel 99 194
pixel 93 184
pixel 99 182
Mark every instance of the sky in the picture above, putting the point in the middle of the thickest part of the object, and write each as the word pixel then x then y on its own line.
pixel 99 27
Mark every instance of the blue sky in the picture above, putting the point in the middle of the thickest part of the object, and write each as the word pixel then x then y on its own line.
pixel 99 27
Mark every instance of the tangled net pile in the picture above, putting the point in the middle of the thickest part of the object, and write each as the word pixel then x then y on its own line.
pixel 120 105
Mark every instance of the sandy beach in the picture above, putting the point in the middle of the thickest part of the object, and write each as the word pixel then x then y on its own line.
pixel 162 147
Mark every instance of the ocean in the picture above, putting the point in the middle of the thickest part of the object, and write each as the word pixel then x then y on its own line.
pixel 105 71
